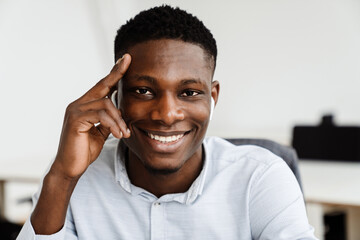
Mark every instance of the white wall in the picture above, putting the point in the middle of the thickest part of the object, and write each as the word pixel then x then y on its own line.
pixel 51 52
pixel 287 62
pixel 281 62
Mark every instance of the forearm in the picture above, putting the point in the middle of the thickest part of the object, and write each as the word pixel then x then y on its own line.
pixel 49 214
pixel 80 144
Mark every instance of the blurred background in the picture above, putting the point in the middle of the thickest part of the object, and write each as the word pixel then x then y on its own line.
pixel 281 63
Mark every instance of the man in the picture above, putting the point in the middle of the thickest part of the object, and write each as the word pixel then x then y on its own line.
pixel 162 180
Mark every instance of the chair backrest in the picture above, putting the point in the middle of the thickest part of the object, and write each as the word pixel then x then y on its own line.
pixel 288 154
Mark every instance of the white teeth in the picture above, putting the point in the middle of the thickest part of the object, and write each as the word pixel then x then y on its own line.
pixel 166 139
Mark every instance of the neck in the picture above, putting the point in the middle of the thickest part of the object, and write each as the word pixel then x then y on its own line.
pixel 160 184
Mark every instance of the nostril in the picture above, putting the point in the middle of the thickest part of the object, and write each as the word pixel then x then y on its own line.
pixel 168 115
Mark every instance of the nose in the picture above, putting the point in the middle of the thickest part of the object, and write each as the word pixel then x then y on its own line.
pixel 167 111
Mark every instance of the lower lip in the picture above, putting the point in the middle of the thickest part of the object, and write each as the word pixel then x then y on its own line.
pixel 166 147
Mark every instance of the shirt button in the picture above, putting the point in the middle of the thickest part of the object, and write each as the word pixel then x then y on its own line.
pixel 157 204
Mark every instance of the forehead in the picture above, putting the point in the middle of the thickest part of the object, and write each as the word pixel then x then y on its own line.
pixel 170 59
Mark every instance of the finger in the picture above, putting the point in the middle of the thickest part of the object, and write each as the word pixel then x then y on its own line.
pixel 108 106
pixel 107 123
pixel 103 87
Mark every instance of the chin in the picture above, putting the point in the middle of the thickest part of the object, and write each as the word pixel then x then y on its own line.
pixel 162 166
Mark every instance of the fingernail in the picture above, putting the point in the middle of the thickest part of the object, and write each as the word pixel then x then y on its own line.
pixel 128 131
pixel 119 60
pixel 121 134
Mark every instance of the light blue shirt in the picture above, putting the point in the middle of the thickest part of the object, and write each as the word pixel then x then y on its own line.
pixel 242 193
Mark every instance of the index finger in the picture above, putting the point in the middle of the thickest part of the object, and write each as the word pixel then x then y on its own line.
pixel 103 87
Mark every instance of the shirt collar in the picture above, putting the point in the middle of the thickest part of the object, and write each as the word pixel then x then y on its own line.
pixel 187 198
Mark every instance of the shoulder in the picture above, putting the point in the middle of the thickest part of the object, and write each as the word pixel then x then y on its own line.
pixel 220 149
pixel 249 163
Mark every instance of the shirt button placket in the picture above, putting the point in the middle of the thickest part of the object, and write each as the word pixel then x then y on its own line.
pixel 157 221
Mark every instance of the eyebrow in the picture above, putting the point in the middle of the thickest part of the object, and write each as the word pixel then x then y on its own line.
pixel 144 78
pixel 153 80
pixel 191 81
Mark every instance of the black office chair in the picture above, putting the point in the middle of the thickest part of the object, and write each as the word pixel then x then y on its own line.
pixel 287 153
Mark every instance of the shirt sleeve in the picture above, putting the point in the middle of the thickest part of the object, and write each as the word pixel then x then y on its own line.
pixel 276 205
pixel 27 233
pixel 67 232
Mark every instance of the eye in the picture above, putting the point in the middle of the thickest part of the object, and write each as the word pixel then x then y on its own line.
pixel 143 91
pixel 189 93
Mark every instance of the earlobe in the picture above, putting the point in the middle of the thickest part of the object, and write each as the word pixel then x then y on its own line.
pixel 212 107
pixel 215 89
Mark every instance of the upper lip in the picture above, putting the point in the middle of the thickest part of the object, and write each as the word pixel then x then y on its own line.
pixel 164 133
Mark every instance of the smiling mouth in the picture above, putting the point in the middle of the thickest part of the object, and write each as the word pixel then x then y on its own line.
pixel 165 137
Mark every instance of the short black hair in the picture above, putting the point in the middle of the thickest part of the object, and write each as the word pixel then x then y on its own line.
pixel 164 22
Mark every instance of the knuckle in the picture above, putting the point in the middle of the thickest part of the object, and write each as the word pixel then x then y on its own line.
pixel 72 116
pixel 101 113
pixel 114 128
pixel 107 102
pixel 103 84
pixel 73 105
pixel 70 107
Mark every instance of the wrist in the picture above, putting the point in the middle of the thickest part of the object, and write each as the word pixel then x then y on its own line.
pixel 56 177
pixel 63 172
pixel 49 214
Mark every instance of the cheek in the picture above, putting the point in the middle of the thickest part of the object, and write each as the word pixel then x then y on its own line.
pixel 133 111
pixel 199 113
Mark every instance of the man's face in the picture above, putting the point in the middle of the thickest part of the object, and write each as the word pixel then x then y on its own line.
pixel 165 101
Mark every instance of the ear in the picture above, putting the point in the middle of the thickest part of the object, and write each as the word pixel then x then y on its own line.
pixel 215 89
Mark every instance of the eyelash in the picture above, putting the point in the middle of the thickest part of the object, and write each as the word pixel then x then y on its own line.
pixel 138 91
pixel 195 93
pixel 147 92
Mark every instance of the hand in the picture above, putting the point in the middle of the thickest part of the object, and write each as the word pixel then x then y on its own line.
pixel 81 141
